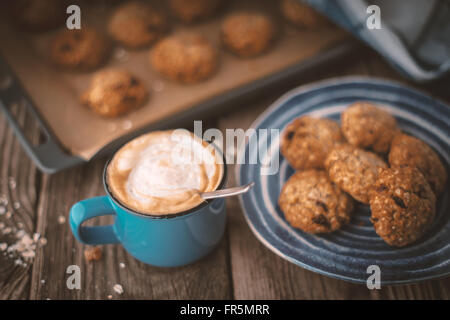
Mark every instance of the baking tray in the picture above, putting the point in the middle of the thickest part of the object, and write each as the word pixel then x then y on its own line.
pixel 55 154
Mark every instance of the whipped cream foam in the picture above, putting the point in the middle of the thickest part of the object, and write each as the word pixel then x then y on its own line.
pixel 163 172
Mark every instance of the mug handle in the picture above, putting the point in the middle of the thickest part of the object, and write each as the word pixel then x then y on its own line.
pixel 88 209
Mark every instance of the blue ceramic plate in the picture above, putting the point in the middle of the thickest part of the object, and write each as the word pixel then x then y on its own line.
pixel 347 253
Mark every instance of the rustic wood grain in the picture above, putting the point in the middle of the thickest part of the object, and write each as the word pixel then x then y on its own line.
pixel 241 267
pixel 18 184
pixel 205 279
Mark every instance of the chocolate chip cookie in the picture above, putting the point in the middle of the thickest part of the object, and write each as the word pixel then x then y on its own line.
pixel 189 11
pixel 114 92
pixel 312 203
pixel 354 170
pixel 38 15
pixel 402 205
pixel 306 141
pixel 413 152
pixel 301 15
pixel 185 58
pixel 368 127
pixel 137 24
pixel 248 34
pixel 83 49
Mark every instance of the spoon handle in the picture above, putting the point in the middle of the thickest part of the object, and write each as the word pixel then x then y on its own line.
pixel 227 192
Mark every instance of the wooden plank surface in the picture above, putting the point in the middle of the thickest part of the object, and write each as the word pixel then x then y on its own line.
pixel 19 184
pixel 241 267
pixel 206 279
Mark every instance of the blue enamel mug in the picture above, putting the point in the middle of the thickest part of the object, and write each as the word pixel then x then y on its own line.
pixel 163 240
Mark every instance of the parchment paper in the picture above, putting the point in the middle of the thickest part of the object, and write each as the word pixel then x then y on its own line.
pixel 57 93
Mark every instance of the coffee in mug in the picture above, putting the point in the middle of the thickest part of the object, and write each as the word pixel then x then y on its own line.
pixel 153 186
pixel 164 172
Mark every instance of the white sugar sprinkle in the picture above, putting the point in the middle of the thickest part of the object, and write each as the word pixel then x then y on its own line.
pixel 16 205
pixel 122 265
pixel 28 254
pixel 20 233
pixel 118 288
pixel 24 247
pixel 61 219
pixel 12 183
pixel 4 200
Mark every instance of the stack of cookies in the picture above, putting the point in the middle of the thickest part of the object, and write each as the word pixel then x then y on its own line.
pixel 369 160
pixel 183 56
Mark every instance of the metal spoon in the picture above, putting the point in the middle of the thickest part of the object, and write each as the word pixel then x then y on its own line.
pixel 226 192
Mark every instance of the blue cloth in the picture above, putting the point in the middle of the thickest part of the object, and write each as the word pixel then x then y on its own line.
pixel 415 34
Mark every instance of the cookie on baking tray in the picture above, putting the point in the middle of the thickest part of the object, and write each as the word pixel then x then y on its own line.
pixel 301 15
pixel 189 11
pixel 402 205
pixel 312 203
pixel 137 24
pixel 114 92
pixel 248 34
pixel 366 126
pixel 306 141
pixel 410 151
pixel 354 170
pixel 185 57
pixel 83 49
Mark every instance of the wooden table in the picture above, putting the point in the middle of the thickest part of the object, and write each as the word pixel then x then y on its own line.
pixel 240 268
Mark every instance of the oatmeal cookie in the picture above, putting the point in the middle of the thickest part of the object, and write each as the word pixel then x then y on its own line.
pixel 137 24
pixel 301 15
pixel 83 49
pixel 185 57
pixel 312 203
pixel 306 141
pixel 354 170
pixel 410 151
pixel 402 205
pixel 114 92
pixel 248 34
pixel 38 15
pixel 368 127
pixel 189 11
